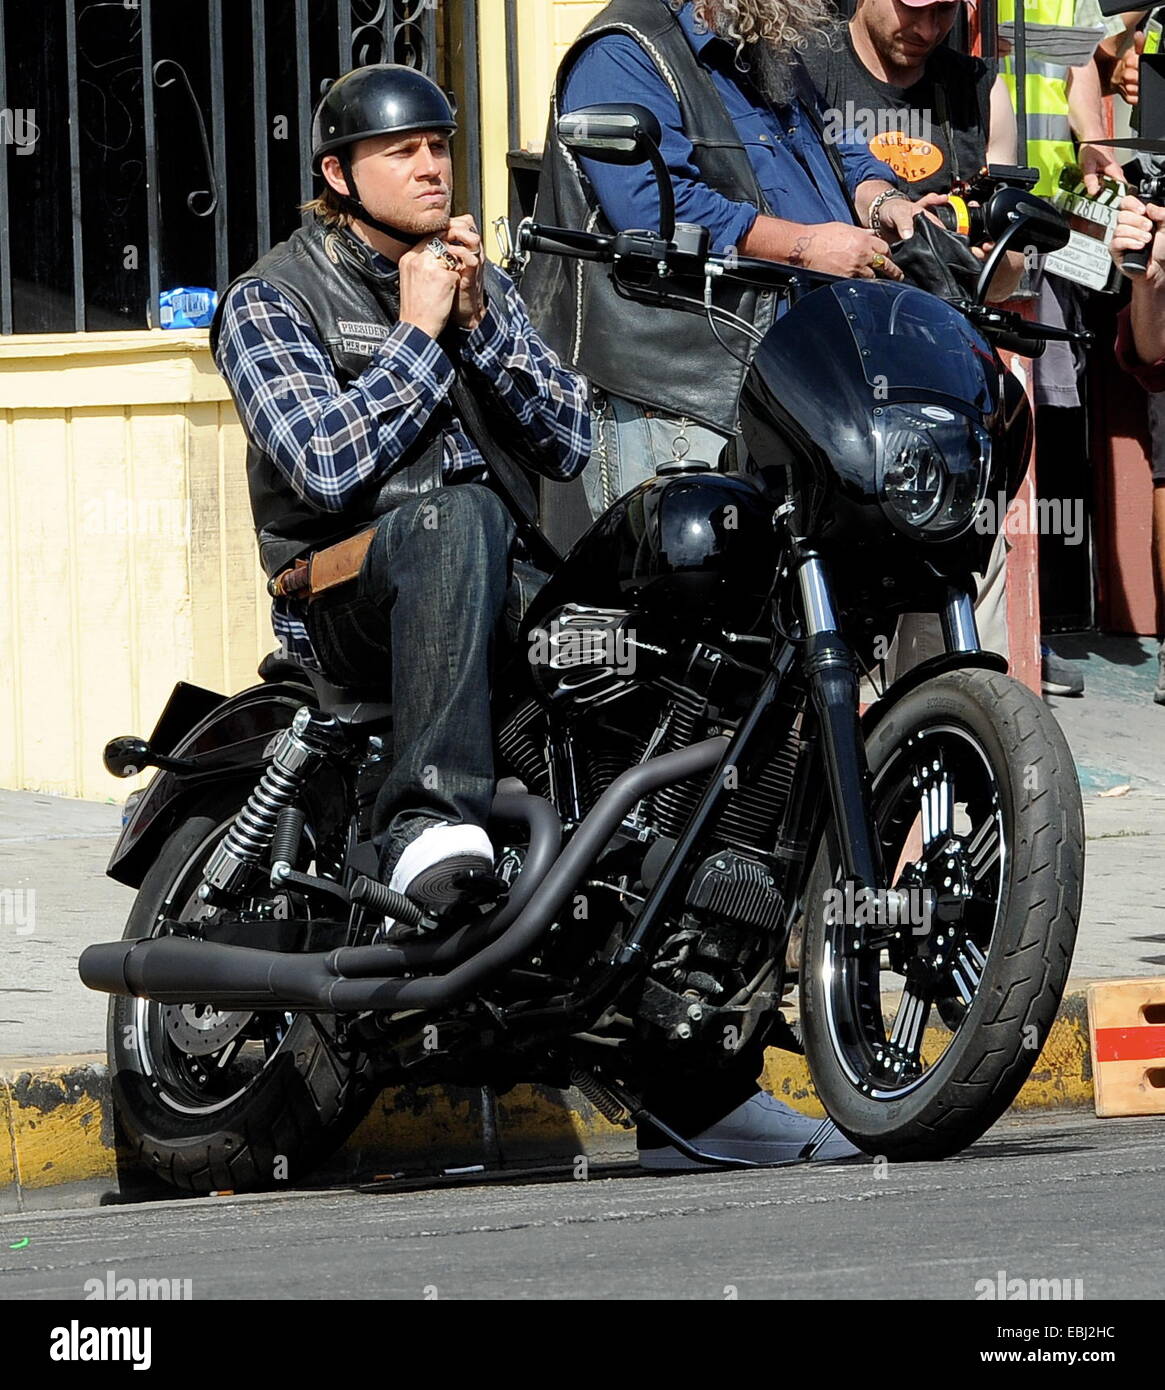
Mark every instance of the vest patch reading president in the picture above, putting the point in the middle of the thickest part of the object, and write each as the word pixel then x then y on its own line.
pixel 376 331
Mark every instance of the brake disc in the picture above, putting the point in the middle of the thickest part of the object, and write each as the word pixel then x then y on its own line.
pixel 199 1029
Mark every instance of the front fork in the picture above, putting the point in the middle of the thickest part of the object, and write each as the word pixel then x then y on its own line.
pixel 832 673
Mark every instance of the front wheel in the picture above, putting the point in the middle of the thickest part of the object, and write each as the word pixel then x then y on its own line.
pixel 977 807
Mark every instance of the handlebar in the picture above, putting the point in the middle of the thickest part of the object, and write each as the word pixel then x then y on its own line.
pixel 1013 332
pixel 639 254
pixel 564 241
pixel 647 252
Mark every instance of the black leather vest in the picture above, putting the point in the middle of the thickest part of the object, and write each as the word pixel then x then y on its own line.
pixel 328 276
pixel 664 358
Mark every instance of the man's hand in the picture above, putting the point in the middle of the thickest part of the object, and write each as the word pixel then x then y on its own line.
pixel 1097 162
pixel 428 289
pixel 1126 77
pixel 1136 223
pixel 465 244
pixel 896 215
pixel 837 248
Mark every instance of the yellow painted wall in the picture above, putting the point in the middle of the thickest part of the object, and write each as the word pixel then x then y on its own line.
pixel 546 32
pixel 129 558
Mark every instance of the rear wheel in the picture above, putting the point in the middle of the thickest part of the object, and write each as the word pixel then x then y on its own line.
pixel 977 807
pixel 212 1100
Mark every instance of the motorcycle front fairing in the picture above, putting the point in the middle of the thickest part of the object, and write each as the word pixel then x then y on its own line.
pixel 854 368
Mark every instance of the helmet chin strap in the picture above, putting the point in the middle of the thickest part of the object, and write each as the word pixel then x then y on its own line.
pixel 351 203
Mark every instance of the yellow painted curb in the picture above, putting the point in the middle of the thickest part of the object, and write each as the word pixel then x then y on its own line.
pixel 431 1123
pixel 56 1126
pixel 538 1121
pixel 1060 1080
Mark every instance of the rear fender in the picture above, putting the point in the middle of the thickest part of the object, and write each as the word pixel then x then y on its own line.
pixel 231 740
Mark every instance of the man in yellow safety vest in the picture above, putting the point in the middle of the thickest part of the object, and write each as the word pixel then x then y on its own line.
pixel 1063 108
pixel 1063 103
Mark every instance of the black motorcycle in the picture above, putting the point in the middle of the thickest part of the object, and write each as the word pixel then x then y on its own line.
pixel 689 786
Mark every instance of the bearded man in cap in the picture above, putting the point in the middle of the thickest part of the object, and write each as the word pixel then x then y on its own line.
pixel 937 117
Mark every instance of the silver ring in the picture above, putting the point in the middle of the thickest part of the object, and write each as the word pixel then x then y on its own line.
pixel 438 248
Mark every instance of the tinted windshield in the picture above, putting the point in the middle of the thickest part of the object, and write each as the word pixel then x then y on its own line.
pixel 910 340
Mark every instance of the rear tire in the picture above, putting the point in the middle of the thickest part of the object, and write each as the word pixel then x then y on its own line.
pixel 1025 936
pixel 299 1107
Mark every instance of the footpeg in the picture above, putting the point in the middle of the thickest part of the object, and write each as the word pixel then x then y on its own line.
pixel 475 887
pixel 383 902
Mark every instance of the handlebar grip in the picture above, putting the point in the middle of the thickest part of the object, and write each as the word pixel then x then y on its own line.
pixel 1016 342
pixel 564 241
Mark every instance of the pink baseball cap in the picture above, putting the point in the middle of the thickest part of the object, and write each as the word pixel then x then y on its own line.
pixel 925 4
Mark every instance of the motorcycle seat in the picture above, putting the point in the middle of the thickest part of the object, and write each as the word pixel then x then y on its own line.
pixel 366 709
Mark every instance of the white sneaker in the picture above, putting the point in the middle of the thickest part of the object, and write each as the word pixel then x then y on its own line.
pixel 430 865
pixel 763 1130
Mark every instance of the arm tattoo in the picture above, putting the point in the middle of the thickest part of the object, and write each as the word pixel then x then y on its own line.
pixel 800 247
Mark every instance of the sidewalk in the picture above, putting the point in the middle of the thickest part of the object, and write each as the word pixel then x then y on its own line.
pixel 55 900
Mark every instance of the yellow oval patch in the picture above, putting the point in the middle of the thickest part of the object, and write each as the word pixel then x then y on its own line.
pixel 910 158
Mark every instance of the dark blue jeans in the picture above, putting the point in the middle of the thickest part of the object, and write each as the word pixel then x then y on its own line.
pixel 422 620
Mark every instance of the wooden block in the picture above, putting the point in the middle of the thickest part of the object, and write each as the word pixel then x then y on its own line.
pixel 1126 1025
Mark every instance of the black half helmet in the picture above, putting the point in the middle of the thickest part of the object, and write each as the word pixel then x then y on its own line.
pixel 380 99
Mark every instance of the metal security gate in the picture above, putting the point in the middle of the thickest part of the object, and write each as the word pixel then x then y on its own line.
pixel 150 144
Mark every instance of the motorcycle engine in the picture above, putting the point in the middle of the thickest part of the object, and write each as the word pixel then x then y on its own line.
pixel 611 693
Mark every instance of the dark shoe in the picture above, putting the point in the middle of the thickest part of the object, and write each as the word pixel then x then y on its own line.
pixel 1159 692
pixel 1059 677
pixel 762 1130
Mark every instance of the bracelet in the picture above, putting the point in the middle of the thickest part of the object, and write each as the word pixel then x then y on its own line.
pixel 876 207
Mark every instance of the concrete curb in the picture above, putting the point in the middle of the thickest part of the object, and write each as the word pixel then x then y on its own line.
pixel 57 1124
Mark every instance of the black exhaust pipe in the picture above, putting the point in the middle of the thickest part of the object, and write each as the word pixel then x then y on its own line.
pixel 356 962
pixel 246 978
pixel 179 970
pixel 175 970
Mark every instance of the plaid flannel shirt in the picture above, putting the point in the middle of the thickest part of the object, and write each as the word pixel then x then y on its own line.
pixel 333 445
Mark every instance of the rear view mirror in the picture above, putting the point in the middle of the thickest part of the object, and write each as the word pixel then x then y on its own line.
pixel 1044 227
pixel 613 133
pixel 623 133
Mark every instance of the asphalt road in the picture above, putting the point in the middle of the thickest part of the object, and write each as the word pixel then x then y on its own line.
pixel 1069 1198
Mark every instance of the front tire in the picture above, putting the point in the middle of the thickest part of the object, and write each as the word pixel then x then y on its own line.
pixel 258 1112
pixel 981 766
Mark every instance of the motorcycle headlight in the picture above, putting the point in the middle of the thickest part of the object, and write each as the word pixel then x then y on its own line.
pixel 933 469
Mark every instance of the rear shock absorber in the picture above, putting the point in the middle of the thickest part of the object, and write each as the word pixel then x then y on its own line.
pixel 298 756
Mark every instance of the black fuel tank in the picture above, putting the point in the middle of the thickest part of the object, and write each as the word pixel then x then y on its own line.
pixel 697 547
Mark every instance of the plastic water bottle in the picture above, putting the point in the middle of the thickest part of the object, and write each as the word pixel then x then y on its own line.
pixel 187 307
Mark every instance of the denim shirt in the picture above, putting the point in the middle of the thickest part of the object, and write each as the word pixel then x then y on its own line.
pixel 792 167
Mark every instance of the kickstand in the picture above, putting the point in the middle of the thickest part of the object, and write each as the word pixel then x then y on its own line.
pixel 826 1130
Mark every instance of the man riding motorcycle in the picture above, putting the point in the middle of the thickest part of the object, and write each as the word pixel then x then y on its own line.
pixel 354 351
